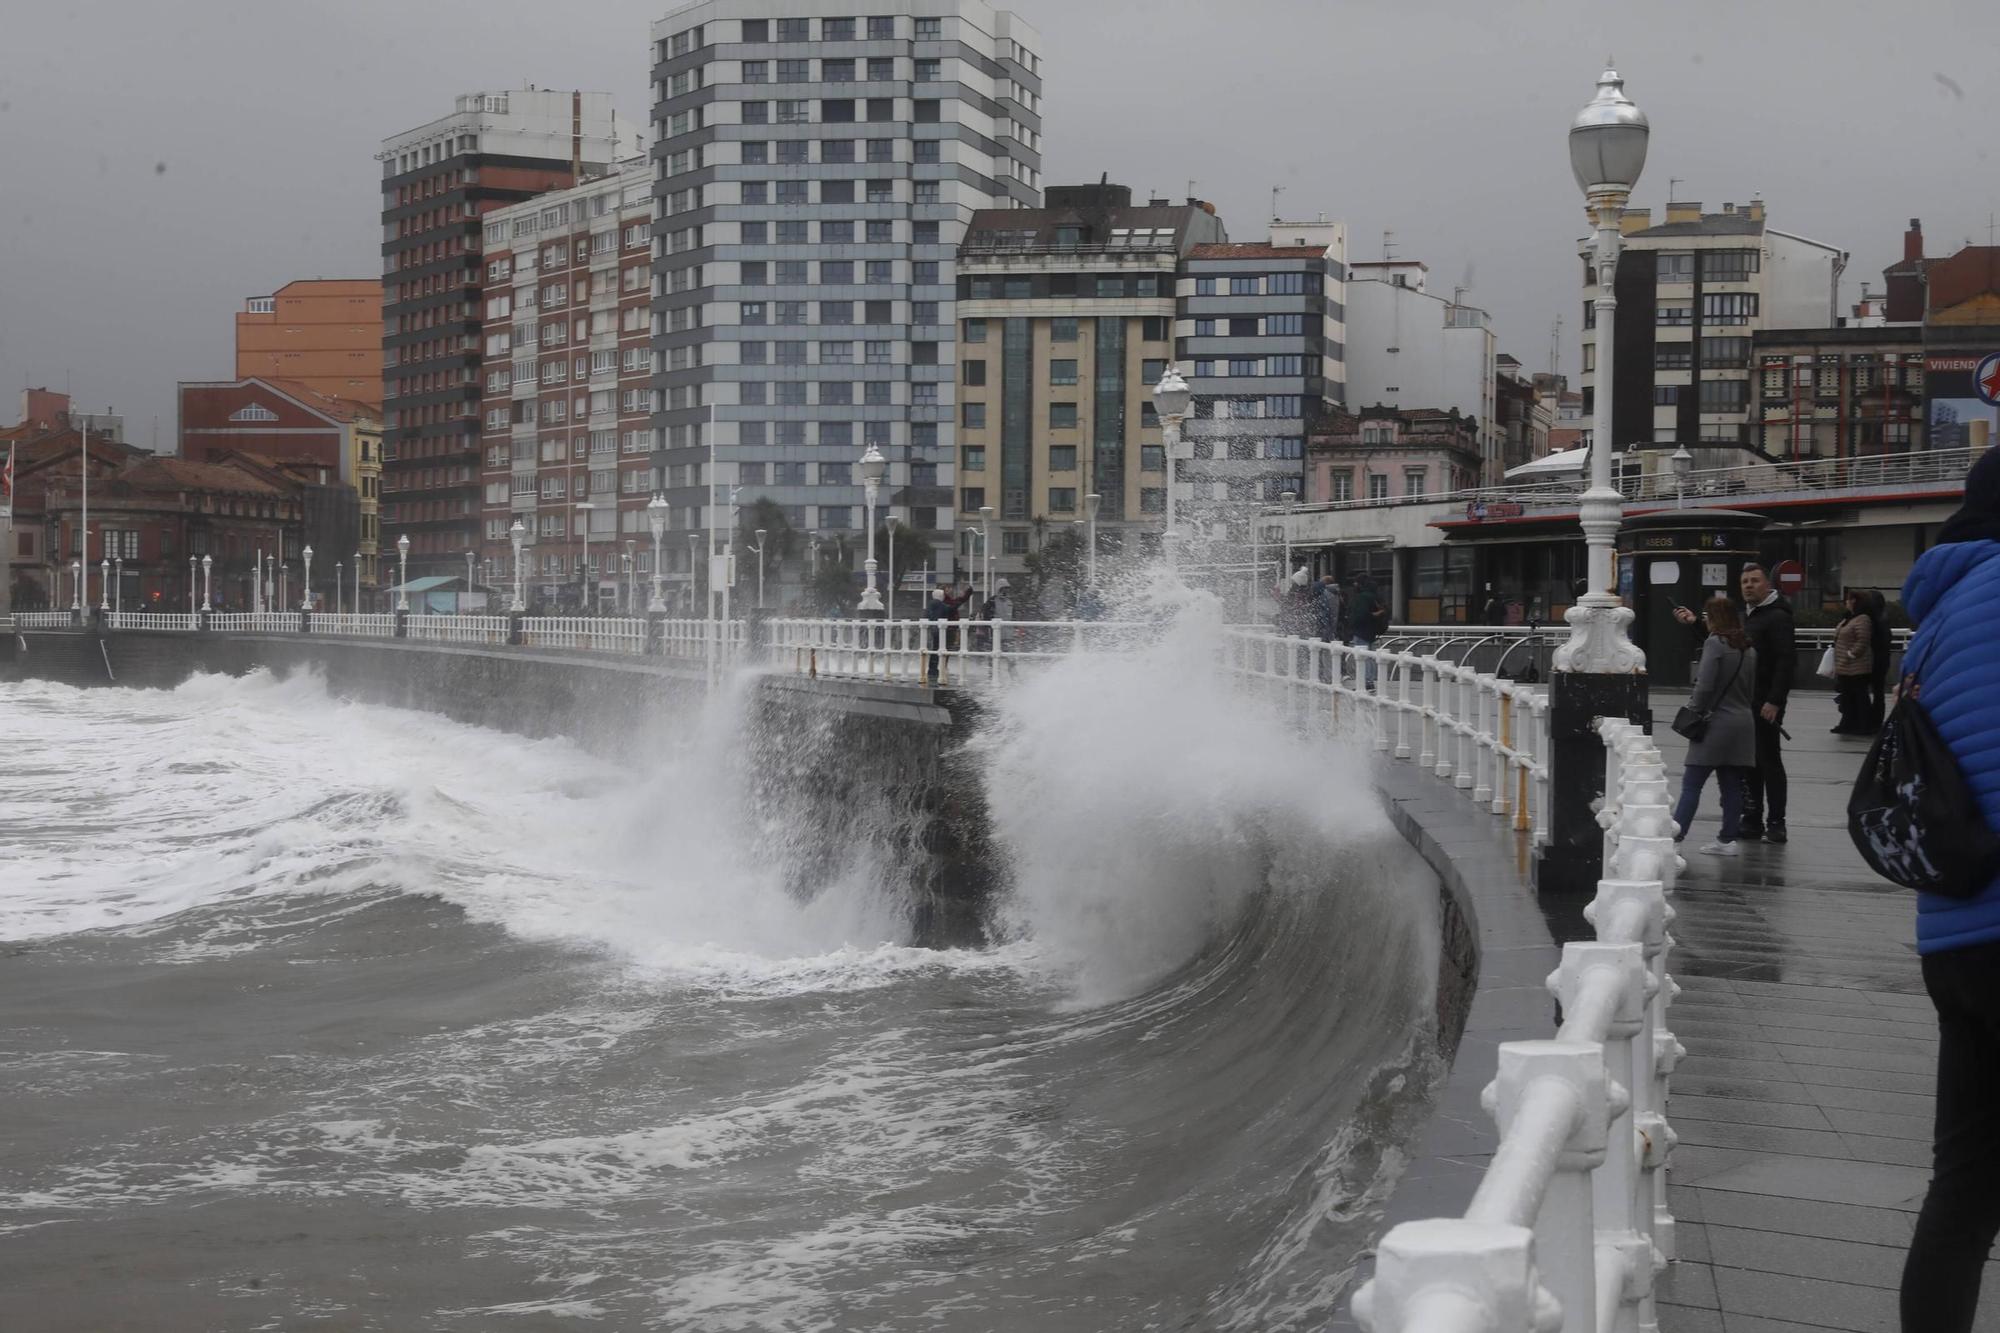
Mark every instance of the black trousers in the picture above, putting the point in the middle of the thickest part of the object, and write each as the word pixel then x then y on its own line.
pixel 1765 788
pixel 1851 694
pixel 1961 1213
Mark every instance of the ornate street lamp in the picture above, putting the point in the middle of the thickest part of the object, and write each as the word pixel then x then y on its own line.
pixel 1607 150
pixel 759 548
pixel 872 467
pixel 694 549
pixel 1683 463
pixel 986 549
pixel 207 584
pixel 339 586
pixel 357 583
pixel 656 518
pixel 403 572
pixel 104 585
pixel 517 535
pixel 1170 399
pixel 75 585
pixel 306 589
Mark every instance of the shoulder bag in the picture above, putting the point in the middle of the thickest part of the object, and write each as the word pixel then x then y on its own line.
pixel 1912 815
pixel 1693 722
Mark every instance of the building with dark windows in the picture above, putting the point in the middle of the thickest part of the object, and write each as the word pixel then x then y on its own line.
pixel 1066 321
pixel 1262 333
pixel 438 180
pixel 1410 347
pixel 1693 292
pixel 815 170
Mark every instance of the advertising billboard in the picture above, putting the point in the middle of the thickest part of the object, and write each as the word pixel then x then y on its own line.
pixel 1962 399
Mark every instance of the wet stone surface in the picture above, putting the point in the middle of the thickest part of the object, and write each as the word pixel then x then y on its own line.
pixel 1804 1102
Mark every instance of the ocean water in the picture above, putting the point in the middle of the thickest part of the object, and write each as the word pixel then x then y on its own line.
pixel 317 1014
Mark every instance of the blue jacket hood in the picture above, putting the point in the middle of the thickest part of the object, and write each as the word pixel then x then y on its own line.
pixel 1939 569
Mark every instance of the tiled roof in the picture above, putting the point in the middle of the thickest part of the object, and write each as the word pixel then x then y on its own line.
pixel 180 474
pixel 1711 224
pixel 340 409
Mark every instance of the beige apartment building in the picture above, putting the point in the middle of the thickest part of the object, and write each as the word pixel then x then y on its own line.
pixel 1066 322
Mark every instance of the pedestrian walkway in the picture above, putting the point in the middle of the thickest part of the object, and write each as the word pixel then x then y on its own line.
pixel 1804 1103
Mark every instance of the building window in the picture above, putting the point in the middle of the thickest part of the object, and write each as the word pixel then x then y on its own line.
pixel 972 372
pixel 794 30
pixel 1725 395
pixel 1673 356
pixel 1676 266
pixel 1284 324
pixel 972 416
pixel 1378 485
pixel 756 113
pixel 1341 484
pixel 1666 395
pixel 1285 284
pixel 1728 265
pixel 1062 371
pixel 930 30
pixel 1062 416
pixel 1015 541
pixel 1413 480
pixel 1668 314
pixel 1152 500
pixel 881 69
pixel 1062 458
pixel 1728 307
pixel 972 458
pixel 1243 286
pixel 1062 330
pixel 1725 353
pixel 971 499
pixel 929 71
pixel 1062 499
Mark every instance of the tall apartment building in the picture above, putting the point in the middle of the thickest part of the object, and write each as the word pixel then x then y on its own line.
pixel 1066 322
pixel 817 164
pixel 1693 291
pixel 1409 347
pixel 438 180
pixel 1264 325
pixel 324 333
pixel 566 403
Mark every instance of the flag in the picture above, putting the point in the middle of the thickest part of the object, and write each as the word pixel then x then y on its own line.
pixel 7 483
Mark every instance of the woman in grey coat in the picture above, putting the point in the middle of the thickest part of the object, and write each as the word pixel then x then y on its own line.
pixel 1722 688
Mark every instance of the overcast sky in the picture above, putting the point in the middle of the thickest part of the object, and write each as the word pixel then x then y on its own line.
pixel 160 162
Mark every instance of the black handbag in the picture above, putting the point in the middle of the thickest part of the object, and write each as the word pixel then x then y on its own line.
pixel 1912 815
pixel 1693 722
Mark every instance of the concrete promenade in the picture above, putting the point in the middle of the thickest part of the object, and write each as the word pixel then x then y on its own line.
pixel 1804 1103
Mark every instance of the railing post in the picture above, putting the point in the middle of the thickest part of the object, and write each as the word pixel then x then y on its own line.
pixel 1623 1216
pixel 1572 860
pixel 1455 1277
pixel 1564 1223
pixel 1403 719
pixel 1483 753
pixel 1427 703
pixel 402 630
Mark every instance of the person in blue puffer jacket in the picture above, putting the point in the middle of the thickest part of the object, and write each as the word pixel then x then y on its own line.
pixel 1953 594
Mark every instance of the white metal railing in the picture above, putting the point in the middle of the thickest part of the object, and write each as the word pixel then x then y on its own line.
pixel 946 652
pixel 272 622
pixel 1939 469
pixel 171 620
pixel 602 634
pixel 1569 1224
pixel 1486 735
pixel 452 628
pixel 231 622
pixel 42 619
pixel 354 624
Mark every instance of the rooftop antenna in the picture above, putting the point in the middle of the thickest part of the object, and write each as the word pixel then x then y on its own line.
pixel 1191 185
pixel 1276 190
pixel 1388 245
pixel 1672 181
pixel 1555 346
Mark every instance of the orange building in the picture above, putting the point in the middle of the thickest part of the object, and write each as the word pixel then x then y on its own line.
pixel 324 333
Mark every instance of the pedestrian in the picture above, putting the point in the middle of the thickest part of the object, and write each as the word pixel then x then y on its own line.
pixel 1294 615
pixel 1723 689
pixel 1495 610
pixel 1853 665
pixel 1367 617
pixel 1326 608
pixel 1878 680
pixel 1953 593
pixel 1768 619
pixel 939 612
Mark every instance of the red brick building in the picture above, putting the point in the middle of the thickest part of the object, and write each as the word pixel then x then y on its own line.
pixel 156 514
pixel 273 419
pixel 48 452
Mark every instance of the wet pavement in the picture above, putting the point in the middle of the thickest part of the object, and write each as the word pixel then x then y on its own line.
pixel 1804 1103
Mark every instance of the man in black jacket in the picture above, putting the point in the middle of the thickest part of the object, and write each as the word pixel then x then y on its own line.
pixel 1769 620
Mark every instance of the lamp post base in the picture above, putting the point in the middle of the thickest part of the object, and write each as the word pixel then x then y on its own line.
pixel 1572 860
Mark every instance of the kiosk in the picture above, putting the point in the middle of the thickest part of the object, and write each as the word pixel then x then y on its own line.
pixel 1679 557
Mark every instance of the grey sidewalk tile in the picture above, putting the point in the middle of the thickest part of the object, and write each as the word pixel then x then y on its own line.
pixel 1812 1301
pixel 1894 1060
pixel 1687 1284
pixel 1807 1256
pixel 1799 1217
pixel 1689 1319
pixel 1747 1111
pixel 1877 1080
pixel 1919 1102
pixel 1917 1129
pixel 1870 1184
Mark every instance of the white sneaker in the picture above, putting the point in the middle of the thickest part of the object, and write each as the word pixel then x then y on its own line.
pixel 1721 849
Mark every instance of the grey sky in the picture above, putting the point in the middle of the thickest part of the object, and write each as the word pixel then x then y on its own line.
pixel 160 162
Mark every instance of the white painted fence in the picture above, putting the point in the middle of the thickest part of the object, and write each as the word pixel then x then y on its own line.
pixel 950 653
pixel 354 624
pixel 1569 1225
pixel 448 628
pixel 42 619
pixel 172 620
